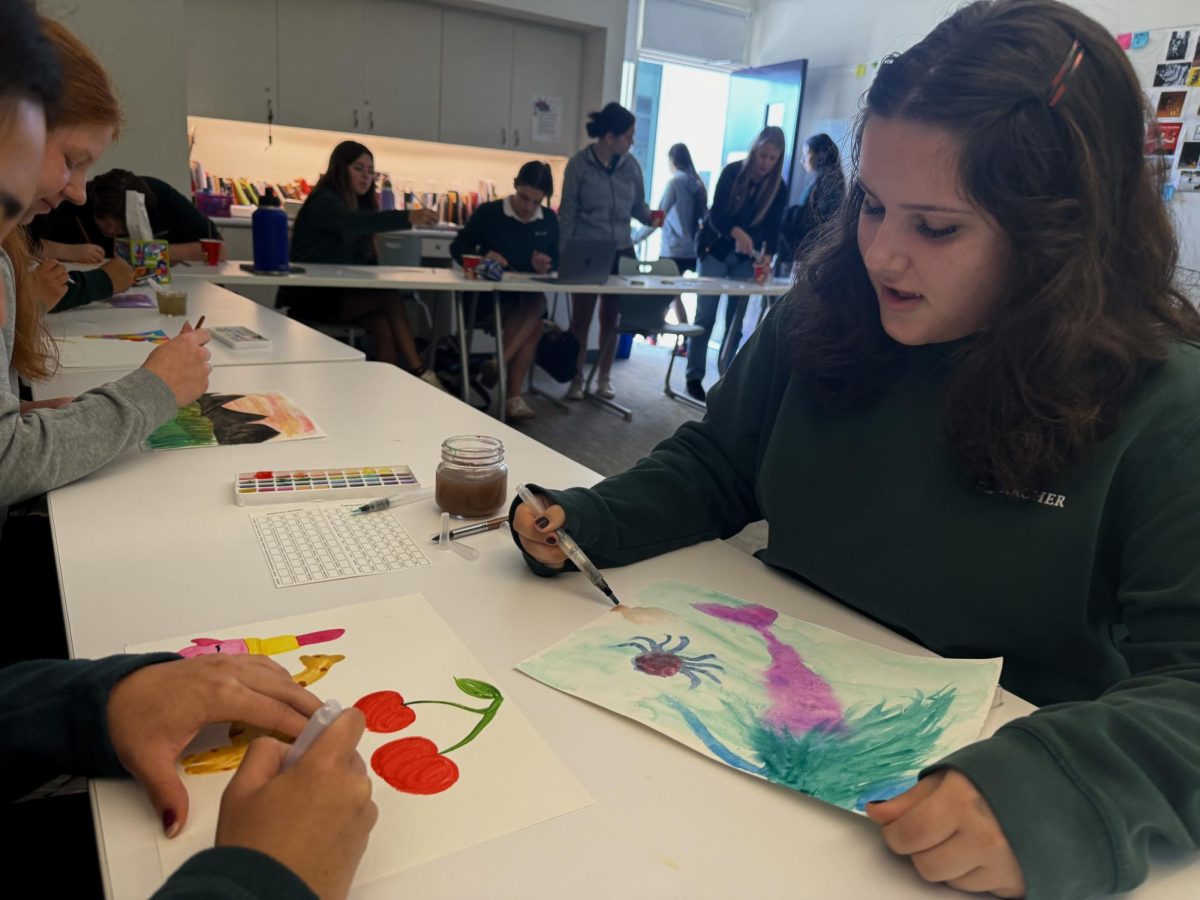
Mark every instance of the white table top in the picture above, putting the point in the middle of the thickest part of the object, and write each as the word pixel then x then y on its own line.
pixel 650 284
pixel 410 278
pixel 421 278
pixel 138 544
pixel 291 341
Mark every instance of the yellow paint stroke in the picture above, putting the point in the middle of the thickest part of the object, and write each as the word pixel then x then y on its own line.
pixel 280 413
pixel 229 757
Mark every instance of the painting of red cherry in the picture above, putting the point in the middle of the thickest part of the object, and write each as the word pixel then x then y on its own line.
pixel 385 712
pixel 414 766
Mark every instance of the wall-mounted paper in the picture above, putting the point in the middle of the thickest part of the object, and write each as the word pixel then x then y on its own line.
pixel 455 762
pixel 800 705
pixel 233 419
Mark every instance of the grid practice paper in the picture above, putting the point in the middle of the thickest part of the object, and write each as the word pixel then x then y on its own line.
pixel 324 542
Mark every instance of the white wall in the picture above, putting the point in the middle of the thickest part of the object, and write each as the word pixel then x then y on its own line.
pixel 140 42
pixel 836 39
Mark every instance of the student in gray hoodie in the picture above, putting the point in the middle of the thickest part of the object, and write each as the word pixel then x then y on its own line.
pixel 684 205
pixel 603 189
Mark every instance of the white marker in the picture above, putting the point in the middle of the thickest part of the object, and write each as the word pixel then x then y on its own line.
pixel 320 720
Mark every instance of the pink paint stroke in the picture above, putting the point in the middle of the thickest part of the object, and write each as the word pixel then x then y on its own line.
pixel 801 700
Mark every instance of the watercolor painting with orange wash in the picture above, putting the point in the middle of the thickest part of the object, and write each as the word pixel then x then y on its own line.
pixel 216 419
pixel 456 762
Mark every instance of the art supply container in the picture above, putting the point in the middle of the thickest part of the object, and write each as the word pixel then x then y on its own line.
pixel 212 250
pixel 471 481
pixel 269 235
pixel 172 303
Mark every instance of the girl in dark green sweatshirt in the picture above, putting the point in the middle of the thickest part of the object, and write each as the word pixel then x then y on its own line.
pixel 977 420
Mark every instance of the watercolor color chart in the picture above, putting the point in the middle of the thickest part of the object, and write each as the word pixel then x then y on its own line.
pixel 324 542
pixel 253 488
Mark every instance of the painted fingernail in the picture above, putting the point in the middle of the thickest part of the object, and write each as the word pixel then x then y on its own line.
pixel 170 823
pixel 552 540
pixel 542 522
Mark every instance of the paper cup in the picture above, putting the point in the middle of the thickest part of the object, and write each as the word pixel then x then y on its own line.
pixel 172 303
pixel 469 264
pixel 212 251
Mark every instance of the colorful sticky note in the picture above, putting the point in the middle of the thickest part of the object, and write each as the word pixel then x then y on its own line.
pixel 860 70
pixel 1140 39
pixel 1168 192
pixel 1124 40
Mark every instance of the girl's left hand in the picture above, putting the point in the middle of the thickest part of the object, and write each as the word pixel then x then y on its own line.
pixel 951 834
pixel 541 262
pixel 154 712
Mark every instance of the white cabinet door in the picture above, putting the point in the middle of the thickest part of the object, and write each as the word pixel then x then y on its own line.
pixel 402 48
pixel 232 72
pixel 321 64
pixel 546 63
pixel 476 80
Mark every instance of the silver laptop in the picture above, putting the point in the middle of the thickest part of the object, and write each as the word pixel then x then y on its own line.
pixel 583 261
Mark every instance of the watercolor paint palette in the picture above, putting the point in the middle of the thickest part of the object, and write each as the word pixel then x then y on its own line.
pixel 298 485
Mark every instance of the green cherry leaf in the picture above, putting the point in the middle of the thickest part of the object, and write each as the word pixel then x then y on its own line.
pixel 472 687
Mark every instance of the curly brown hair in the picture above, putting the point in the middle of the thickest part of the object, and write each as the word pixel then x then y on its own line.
pixel 1090 304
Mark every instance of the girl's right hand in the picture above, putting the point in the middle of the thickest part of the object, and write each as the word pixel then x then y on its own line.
pixel 422 218
pixel 182 363
pixel 536 533
pixel 315 818
pixel 50 280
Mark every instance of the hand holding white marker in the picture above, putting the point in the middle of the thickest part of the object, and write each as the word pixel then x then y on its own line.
pixel 569 547
pixel 320 720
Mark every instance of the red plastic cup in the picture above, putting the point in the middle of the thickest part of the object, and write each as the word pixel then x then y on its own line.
pixel 469 263
pixel 762 271
pixel 657 217
pixel 212 250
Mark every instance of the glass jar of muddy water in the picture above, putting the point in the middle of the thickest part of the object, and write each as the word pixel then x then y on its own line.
pixel 472 479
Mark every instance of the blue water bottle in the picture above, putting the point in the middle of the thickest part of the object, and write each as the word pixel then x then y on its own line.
pixel 269 235
pixel 387 196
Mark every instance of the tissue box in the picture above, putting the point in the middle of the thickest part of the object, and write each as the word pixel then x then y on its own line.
pixel 149 259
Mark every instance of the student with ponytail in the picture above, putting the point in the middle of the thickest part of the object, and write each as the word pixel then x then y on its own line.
pixel 602 190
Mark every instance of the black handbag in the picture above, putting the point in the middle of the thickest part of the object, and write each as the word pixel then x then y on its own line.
pixel 558 354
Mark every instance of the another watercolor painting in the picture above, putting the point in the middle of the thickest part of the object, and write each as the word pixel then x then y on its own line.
pixel 217 419
pixel 797 704
pixel 457 763
pixel 158 336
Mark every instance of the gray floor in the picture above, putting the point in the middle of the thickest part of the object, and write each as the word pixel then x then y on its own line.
pixel 603 441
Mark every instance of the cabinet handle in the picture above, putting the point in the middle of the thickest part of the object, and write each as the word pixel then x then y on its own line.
pixel 503 136
pixel 371 120
pixel 356 117
pixel 516 138
pixel 270 111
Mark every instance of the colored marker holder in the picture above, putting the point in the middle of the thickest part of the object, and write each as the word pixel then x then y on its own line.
pixel 302 485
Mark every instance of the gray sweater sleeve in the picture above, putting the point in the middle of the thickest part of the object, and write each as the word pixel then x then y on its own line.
pixel 47 448
pixel 570 201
